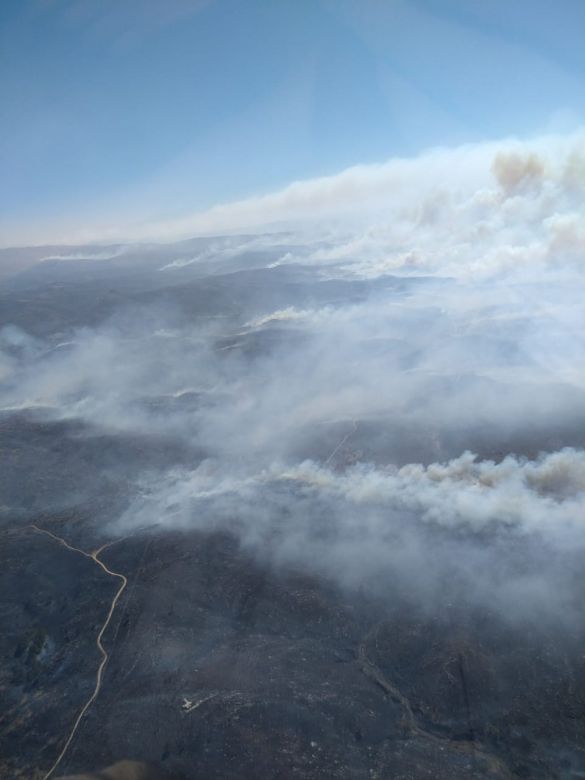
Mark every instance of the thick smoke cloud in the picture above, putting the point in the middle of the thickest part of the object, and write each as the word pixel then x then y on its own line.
pixel 465 175
pixel 506 535
pixel 393 400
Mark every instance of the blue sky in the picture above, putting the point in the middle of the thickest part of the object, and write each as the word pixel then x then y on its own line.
pixel 139 109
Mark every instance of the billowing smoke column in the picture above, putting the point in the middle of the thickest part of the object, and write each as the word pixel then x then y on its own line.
pixel 350 368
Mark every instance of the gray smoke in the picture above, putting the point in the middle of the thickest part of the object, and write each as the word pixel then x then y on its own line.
pixel 394 402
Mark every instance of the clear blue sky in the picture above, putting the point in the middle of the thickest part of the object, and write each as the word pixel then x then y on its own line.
pixel 155 107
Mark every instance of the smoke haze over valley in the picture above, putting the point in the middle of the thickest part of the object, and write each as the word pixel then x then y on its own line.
pixel 340 462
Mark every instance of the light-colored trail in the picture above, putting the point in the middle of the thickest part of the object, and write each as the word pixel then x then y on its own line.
pixel 342 442
pixel 98 681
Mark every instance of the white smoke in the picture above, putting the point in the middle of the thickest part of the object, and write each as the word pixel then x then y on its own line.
pixel 507 535
pixel 332 400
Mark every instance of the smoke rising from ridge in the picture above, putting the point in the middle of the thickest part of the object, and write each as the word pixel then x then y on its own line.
pixel 334 380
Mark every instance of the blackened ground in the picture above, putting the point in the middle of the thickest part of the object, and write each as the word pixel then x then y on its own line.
pixel 221 667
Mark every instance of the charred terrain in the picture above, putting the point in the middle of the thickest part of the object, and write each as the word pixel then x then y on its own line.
pixel 319 581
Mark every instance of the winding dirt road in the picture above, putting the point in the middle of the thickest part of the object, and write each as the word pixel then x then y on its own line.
pixel 98 682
